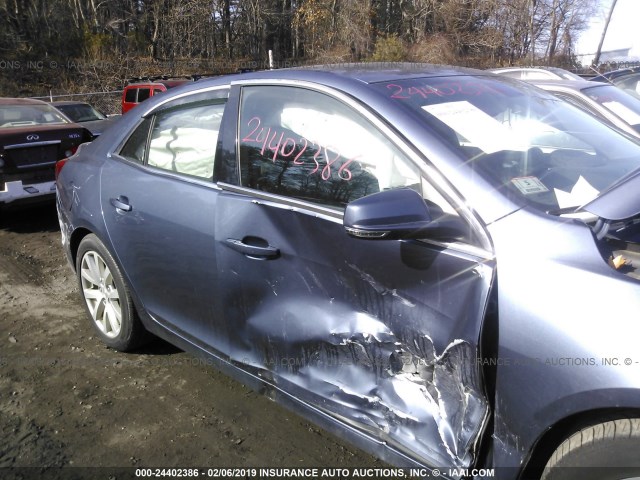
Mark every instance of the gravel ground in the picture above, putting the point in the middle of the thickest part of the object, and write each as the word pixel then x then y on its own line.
pixel 68 401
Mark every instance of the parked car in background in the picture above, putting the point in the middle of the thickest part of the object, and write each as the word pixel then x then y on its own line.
pixel 33 137
pixel 536 73
pixel 605 101
pixel 438 264
pixel 141 90
pixel 84 113
pixel 627 79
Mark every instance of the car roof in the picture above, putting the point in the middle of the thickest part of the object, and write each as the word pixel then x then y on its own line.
pixel 566 84
pixel 605 77
pixel 68 102
pixel 519 69
pixel 166 83
pixel 333 74
pixel 21 101
pixel 381 71
pixel 557 71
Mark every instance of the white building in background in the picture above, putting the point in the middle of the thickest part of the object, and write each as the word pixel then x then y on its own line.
pixel 622 42
pixel 620 55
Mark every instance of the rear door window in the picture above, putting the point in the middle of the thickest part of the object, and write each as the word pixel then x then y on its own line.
pixel 135 147
pixel 184 140
pixel 181 137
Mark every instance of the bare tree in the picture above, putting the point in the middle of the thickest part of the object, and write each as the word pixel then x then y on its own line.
pixel 166 35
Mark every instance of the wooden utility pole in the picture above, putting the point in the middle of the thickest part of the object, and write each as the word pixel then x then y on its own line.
pixel 596 60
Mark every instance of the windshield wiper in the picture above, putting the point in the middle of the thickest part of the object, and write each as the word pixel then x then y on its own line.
pixel 565 210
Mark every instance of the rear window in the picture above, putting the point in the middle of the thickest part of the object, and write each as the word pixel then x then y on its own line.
pixel 24 115
pixel 81 112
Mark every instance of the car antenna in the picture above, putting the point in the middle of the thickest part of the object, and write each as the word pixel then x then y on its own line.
pixel 598 72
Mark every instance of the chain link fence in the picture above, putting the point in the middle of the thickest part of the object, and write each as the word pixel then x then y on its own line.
pixel 617 65
pixel 109 103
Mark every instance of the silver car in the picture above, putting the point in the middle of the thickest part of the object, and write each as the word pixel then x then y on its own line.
pixel 536 73
pixel 605 101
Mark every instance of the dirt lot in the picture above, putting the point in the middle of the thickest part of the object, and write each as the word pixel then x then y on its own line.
pixel 68 401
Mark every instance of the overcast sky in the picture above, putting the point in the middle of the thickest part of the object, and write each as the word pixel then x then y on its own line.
pixel 623 31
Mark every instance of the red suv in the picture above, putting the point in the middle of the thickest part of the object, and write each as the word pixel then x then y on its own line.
pixel 140 90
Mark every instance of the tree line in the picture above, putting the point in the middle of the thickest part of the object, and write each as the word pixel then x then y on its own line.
pixel 464 32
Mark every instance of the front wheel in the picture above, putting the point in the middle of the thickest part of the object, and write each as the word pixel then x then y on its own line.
pixel 106 297
pixel 607 451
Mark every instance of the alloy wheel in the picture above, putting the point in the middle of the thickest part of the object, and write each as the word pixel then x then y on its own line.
pixel 101 294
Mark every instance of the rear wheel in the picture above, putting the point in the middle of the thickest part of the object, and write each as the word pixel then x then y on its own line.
pixel 107 298
pixel 607 451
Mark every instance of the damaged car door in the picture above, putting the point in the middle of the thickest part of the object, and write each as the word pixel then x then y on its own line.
pixel 160 187
pixel 377 334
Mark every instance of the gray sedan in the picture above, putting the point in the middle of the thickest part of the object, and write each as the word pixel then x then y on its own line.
pixel 439 264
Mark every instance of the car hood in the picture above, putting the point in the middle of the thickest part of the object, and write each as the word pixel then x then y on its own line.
pixel 620 201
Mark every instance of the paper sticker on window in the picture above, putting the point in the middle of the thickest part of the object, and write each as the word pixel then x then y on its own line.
pixel 581 193
pixel 529 185
pixel 478 127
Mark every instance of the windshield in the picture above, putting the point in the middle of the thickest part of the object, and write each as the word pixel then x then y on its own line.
pixel 80 112
pixel 14 116
pixel 528 144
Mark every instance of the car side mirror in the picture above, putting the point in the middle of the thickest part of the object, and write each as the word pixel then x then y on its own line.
pixel 390 214
pixel 400 214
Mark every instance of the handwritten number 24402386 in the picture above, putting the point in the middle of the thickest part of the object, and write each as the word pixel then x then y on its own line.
pixel 283 147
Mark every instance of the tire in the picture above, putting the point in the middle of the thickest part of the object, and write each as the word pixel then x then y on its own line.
pixel 106 297
pixel 607 451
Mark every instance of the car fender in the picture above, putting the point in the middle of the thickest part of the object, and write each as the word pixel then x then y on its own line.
pixel 567 331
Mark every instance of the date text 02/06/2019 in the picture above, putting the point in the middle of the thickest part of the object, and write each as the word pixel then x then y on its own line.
pixel 313 472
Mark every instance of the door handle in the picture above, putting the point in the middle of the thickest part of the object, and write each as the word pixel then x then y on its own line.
pixel 121 203
pixel 253 251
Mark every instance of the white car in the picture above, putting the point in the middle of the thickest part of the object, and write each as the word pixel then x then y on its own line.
pixel 536 73
pixel 605 101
